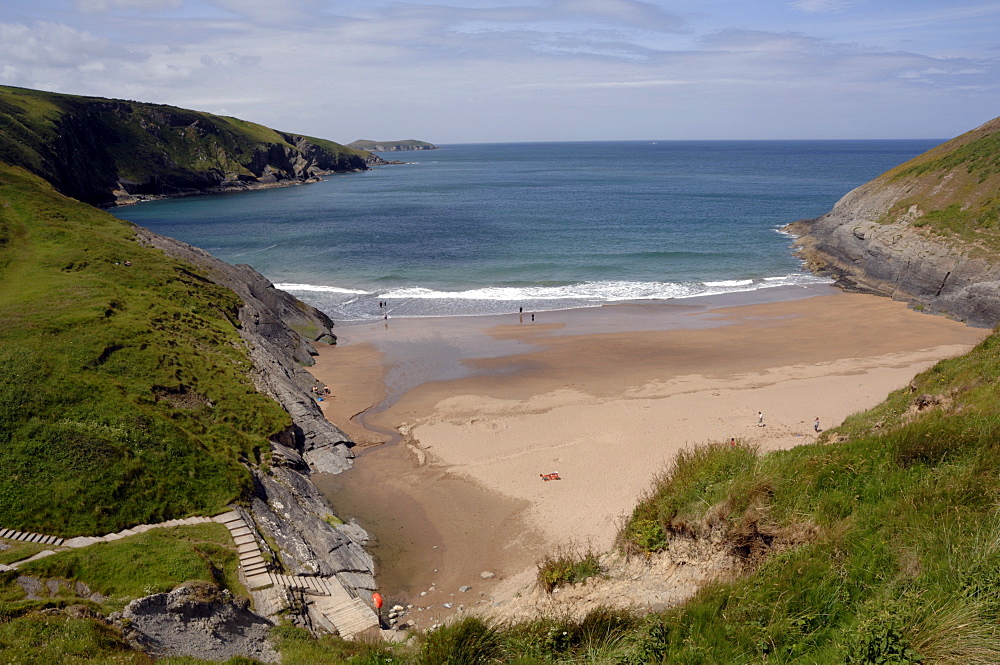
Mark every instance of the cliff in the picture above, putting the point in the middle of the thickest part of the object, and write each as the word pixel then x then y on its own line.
pixel 148 381
pixel 926 232
pixel 278 329
pixel 107 152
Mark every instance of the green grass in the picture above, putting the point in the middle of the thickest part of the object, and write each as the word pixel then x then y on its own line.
pixel 298 647
pixel 153 562
pixel 18 550
pixel 63 640
pixel 954 186
pixel 882 545
pixel 127 397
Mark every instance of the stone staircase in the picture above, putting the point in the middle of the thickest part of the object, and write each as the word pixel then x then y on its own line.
pixel 10 534
pixel 328 603
pixel 330 606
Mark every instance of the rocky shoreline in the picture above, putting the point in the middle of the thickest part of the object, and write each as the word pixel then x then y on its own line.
pixel 896 259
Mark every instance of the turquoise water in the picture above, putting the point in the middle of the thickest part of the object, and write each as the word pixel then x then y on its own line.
pixel 479 229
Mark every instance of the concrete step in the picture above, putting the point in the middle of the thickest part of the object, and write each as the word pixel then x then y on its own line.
pixel 228 518
pixel 244 539
pixel 240 531
pixel 258 581
pixel 350 618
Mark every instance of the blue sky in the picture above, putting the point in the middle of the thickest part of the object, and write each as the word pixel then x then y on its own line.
pixel 455 71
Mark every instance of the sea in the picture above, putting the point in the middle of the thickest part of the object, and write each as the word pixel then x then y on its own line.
pixel 477 229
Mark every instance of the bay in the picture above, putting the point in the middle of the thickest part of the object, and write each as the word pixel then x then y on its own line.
pixel 489 228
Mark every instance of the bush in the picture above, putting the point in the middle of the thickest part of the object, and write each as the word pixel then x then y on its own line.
pixel 567 566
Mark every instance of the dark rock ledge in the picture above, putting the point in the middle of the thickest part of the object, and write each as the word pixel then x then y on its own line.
pixel 897 259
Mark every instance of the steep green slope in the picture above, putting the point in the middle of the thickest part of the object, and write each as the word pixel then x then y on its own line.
pixel 125 396
pixel 954 189
pixel 883 539
pixel 97 150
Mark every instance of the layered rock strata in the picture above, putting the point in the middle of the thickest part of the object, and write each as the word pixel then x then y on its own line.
pixel 896 260
pixel 924 232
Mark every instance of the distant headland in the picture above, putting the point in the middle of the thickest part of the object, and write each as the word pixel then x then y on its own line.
pixel 391 146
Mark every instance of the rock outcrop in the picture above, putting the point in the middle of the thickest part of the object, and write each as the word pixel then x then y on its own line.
pixel 884 237
pixel 197 621
pixel 391 146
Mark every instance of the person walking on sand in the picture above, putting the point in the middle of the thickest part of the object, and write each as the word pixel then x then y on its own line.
pixel 816 425
pixel 760 419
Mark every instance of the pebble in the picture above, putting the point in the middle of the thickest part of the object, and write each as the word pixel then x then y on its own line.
pixel 465 588
pixel 448 605
pixel 486 575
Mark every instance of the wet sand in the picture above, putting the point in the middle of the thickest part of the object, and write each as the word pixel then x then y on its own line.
pixel 604 396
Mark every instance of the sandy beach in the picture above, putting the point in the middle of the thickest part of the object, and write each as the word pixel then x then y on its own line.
pixel 475 409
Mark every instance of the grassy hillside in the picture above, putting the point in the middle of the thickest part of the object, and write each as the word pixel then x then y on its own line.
pixel 954 190
pixel 125 396
pixel 884 538
pixel 88 147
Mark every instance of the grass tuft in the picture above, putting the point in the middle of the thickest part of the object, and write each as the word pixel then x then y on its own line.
pixel 566 566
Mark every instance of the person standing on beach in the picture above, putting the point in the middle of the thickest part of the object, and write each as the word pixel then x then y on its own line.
pixel 816 425
pixel 760 419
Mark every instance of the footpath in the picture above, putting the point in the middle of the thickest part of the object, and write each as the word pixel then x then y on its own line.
pixel 329 606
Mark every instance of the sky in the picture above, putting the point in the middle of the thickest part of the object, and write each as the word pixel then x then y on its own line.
pixel 469 71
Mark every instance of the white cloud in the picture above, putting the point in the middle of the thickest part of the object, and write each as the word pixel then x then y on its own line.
pixel 821 6
pixel 131 5
pixel 489 70
pixel 55 45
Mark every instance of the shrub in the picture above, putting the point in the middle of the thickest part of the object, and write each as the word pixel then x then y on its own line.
pixel 567 566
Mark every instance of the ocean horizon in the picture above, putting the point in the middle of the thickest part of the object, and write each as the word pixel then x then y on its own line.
pixel 477 229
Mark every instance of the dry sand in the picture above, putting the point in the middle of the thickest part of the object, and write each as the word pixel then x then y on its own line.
pixel 605 397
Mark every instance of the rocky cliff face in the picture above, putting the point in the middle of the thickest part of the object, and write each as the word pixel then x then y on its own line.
pixel 277 330
pixel 887 237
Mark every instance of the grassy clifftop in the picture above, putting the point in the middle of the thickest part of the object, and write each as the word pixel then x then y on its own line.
pixel 96 150
pixel 953 191
pixel 125 396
